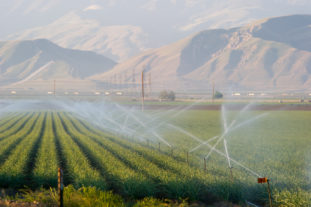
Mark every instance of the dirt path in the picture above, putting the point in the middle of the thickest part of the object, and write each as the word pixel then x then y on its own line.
pixel 233 107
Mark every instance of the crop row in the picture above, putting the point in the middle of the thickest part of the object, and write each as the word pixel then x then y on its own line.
pixel 165 175
pixel 46 165
pixel 14 171
pixel 36 144
pixel 76 165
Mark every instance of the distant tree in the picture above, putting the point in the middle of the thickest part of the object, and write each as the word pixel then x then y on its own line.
pixel 218 95
pixel 163 95
pixel 171 96
pixel 167 95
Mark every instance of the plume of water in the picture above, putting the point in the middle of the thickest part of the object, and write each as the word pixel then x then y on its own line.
pixel 227 153
pixel 224 117
pixel 202 144
pixel 131 122
pixel 219 140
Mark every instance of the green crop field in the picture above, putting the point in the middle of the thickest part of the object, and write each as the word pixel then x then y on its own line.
pixel 277 146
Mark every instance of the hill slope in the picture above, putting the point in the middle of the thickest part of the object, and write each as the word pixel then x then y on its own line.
pixel 25 61
pixel 272 54
pixel 120 29
pixel 117 42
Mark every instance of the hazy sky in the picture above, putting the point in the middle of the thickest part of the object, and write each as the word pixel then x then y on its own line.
pixel 180 15
pixel 155 22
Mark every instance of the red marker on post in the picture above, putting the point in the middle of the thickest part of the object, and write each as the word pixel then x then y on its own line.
pixel 266 180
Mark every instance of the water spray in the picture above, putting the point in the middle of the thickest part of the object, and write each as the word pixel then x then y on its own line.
pixel 219 140
pixel 183 109
pixel 263 180
pixel 212 148
pixel 226 128
pixel 251 204
pixel 227 154
pixel 202 144
pixel 125 120
pixel 141 121
pixel 228 159
pixel 161 139
pixel 224 119
pixel 248 121
pixel 131 115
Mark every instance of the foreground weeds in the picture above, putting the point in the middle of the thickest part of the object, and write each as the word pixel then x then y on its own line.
pixel 298 198
pixel 93 197
pixel 84 196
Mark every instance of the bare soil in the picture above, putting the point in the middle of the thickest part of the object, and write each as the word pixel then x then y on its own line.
pixel 235 107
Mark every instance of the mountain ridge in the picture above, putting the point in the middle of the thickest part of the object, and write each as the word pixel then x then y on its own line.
pixel 147 24
pixel 22 61
pixel 265 55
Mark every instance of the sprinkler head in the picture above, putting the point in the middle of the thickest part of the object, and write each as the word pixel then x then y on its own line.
pixel 262 180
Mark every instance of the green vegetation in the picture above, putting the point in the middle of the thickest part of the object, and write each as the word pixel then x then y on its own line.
pixel 104 168
pixel 86 197
pixel 218 95
pixel 167 95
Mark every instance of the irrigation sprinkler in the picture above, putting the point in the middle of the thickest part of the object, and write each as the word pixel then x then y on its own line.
pixel 227 153
pixel 266 180
pixel 228 159
pixel 229 129
pixel 213 148
pixel 187 157
pixel 205 168
pixel 60 188
pixel 161 139
pixel 231 174
pixel 159 146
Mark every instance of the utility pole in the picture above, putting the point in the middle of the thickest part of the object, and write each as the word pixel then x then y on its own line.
pixel 149 82
pixel 142 91
pixel 54 90
pixel 213 95
pixel 134 83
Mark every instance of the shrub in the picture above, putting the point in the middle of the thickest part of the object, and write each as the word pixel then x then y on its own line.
pixel 167 95
pixel 218 95
pixel 298 198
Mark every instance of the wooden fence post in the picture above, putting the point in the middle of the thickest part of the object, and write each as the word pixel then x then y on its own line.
pixel 269 192
pixel 60 188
